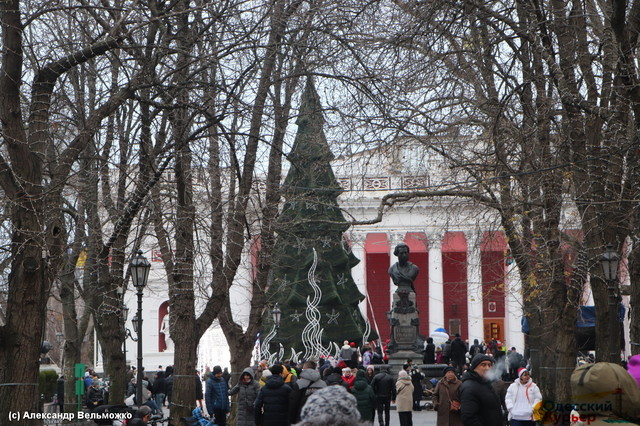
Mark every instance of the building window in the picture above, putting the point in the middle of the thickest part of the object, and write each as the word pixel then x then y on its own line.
pixel 455 327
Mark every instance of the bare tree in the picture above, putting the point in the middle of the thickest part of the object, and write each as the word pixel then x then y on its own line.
pixel 33 183
pixel 534 123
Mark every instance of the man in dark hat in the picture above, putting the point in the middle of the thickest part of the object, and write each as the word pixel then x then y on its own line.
pixel 271 407
pixel 481 406
pixel 217 396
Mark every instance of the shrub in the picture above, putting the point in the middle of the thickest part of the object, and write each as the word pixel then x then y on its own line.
pixel 47 384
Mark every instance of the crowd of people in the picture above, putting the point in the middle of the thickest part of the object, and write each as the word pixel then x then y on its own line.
pixel 365 388
pixel 481 384
pixel 313 394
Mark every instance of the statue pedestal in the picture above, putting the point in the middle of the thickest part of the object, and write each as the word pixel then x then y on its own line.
pixel 398 359
pixel 406 341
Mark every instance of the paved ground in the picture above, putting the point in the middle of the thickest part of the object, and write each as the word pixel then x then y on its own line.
pixel 420 418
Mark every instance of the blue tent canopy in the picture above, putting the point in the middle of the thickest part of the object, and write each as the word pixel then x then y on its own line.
pixel 586 317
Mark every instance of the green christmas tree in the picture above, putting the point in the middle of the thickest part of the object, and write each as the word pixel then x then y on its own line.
pixel 311 227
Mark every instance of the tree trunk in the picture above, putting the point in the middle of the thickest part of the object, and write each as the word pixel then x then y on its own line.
pixel 110 335
pixel 26 306
pixel 73 336
pixel 181 296
pixel 183 395
pixel 634 274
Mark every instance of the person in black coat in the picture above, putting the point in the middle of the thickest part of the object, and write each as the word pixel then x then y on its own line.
pixel 416 381
pixel 429 352
pixel 60 393
pixel 199 393
pixel 272 404
pixel 480 405
pixel 446 352
pixel 168 384
pixel 384 386
pixel 458 354
pixel 159 389
pixel 476 348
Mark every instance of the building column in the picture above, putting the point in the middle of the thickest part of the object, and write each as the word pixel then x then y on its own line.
pixel 436 283
pixel 474 286
pixel 513 310
pixel 358 273
pixel 395 238
pixel 357 240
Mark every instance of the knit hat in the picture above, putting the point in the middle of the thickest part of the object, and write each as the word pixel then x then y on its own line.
pixel 448 368
pixel 521 370
pixel 403 373
pixel 478 358
pixel 144 410
pixel 633 366
pixel 331 403
pixel 217 370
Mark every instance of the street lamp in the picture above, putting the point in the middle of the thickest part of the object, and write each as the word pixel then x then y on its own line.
pixel 610 261
pixel 139 269
pixel 60 340
pixel 276 314
pixel 127 332
pixel 136 324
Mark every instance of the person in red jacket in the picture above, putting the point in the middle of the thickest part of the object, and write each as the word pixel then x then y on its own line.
pixel 348 377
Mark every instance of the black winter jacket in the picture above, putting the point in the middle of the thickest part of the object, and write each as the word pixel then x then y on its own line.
pixel 429 354
pixel 458 350
pixel 159 385
pixel 481 405
pixel 384 385
pixel 272 405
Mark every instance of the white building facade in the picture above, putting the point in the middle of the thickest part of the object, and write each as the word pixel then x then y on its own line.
pixel 467 283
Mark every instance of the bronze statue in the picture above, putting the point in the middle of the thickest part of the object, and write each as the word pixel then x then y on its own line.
pixel 403 317
pixel 403 272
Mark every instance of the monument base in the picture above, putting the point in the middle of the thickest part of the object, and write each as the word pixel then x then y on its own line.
pixel 398 359
pixel 404 321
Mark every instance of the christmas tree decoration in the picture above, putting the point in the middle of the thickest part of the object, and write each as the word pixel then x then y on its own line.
pixel 311 279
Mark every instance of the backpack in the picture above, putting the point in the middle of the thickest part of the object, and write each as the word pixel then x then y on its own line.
pixel 605 388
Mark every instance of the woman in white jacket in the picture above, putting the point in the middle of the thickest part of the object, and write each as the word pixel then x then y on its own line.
pixel 521 397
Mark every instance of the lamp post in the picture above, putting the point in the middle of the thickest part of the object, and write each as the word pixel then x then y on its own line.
pixel 139 269
pixel 276 314
pixel 610 261
pixel 60 340
pixel 127 332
